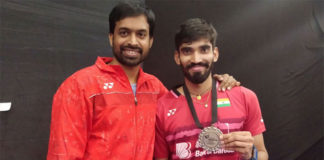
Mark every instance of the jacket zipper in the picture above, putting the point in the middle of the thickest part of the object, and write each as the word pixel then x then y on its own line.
pixel 135 100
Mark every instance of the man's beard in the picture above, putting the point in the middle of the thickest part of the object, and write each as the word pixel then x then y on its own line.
pixel 197 77
pixel 129 61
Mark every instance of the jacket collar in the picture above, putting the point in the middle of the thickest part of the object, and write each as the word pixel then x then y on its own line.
pixel 101 63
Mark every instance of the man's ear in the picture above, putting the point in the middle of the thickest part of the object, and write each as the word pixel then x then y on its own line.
pixel 216 54
pixel 151 41
pixel 176 57
pixel 111 37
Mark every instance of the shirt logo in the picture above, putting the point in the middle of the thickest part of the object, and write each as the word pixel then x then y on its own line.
pixel 198 153
pixel 183 150
pixel 171 112
pixel 108 85
pixel 223 102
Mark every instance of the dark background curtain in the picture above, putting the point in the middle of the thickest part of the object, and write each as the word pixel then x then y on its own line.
pixel 273 47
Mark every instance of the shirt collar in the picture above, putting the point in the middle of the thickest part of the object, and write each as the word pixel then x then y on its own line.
pixel 102 64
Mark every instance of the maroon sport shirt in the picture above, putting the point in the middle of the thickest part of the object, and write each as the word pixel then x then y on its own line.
pixel 177 134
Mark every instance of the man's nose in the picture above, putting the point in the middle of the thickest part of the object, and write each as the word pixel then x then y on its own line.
pixel 132 40
pixel 196 57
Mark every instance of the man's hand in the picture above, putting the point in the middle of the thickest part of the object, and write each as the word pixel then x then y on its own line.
pixel 241 142
pixel 227 81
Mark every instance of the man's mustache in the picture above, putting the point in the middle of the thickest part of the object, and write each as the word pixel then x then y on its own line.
pixel 130 47
pixel 197 64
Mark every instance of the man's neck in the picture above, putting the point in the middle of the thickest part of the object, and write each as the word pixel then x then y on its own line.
pixel 198 89
pixel 131 72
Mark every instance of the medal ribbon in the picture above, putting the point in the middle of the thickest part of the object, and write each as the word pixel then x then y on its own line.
pixel 192 109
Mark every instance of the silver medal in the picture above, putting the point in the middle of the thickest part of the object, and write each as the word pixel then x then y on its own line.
pixel 209 138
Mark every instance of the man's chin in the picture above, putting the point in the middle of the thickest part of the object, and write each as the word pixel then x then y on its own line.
pixel 131 62
pixel 197 77
pixel 196 81
pixel 197 74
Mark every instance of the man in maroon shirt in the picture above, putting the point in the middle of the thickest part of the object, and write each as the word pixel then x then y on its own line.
pixel 195 121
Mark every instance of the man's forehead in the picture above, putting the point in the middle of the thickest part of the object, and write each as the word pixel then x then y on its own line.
pixel 133 23
pixel 197 43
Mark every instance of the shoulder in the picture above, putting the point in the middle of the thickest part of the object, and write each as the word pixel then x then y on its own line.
pixel 85 73
pixel 169 96
pixel 79 78
pixel 152 78
pixel 241 91
pixel 167 99
pixel 248 94
pixel 154 83
pixel 241 95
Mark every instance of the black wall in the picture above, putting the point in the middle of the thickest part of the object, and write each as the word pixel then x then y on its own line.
pixel 273 47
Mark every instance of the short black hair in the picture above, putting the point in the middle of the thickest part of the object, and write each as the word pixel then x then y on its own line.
pixel 194 29
pixel 128 9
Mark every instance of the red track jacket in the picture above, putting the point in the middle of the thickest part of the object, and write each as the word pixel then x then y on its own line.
pixel 95 115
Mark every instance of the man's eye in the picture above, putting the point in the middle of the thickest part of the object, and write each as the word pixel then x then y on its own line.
pixel 123 33
pixel 141 35
pixel 204 50
pixel 186 51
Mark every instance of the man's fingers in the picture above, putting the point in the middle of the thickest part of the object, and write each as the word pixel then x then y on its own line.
pixel 223 79
pixel 245 133
pixel 238 138
pixel 230 84
pixel 246 153
pixel 238 144
pixel 240 141
pixel 218 77
pixel 238 149
pixel 225 82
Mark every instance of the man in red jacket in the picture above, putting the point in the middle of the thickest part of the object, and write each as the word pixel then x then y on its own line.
pixel 107 110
